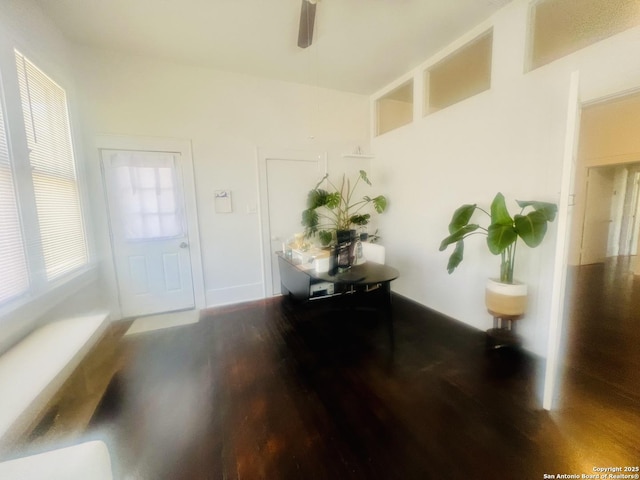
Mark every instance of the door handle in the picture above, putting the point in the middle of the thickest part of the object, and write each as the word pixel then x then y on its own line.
pixel 184 245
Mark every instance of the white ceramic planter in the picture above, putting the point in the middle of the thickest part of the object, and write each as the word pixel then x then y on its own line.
pixel 505 298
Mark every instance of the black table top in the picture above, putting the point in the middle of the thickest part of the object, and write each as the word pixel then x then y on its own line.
pixel 368 273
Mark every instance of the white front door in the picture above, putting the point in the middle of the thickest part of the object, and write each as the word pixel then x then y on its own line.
pixel 149 232
pixel 285 180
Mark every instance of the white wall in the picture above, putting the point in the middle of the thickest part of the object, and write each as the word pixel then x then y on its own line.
pixel 227 117
pixel 509 139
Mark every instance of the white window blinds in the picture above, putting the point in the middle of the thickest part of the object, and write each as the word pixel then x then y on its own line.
pixel 46 119
pixel 14 277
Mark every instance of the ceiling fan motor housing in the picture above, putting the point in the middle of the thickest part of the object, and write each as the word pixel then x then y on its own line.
pixel 307 21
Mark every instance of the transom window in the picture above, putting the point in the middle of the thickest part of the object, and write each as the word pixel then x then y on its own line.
pixel 560 27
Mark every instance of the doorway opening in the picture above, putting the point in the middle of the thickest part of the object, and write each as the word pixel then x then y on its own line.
pixel 610 224
pixel 603 305
pixel 601 334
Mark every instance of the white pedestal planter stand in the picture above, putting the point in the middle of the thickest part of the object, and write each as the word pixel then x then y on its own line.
pixel 506 303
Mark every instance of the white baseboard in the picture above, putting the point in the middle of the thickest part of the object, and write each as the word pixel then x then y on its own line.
pixel 236 294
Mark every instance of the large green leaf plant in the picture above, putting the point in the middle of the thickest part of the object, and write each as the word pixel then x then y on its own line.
pixel 502 233
pixel 330 211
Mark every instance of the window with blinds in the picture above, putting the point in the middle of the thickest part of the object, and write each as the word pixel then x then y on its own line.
pixel 14 280
pixel 55 187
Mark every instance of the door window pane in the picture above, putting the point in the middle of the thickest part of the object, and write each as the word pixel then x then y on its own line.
pixel 145 185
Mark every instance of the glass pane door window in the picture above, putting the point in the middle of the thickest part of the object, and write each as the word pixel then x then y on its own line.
pixel 145 186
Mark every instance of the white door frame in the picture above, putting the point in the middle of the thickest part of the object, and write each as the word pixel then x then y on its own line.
pixel 168 145
pixel 263 155
pixel 558 292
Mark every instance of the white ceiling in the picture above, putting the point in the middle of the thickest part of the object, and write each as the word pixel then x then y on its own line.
pixel 359 45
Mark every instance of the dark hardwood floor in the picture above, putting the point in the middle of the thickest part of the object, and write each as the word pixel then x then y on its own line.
pixel 599 400
pixel 603 333
pixel 267 390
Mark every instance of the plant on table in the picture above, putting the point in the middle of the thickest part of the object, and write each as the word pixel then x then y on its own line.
pixel 339 209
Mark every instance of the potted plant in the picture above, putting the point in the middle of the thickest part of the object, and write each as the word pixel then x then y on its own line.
pixel 505 297
pixel 328 212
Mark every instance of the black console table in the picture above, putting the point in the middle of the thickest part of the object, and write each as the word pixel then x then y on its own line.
pixel 303 283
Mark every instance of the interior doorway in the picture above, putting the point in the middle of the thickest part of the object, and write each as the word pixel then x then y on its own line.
pixel 611 218
pixel 600 359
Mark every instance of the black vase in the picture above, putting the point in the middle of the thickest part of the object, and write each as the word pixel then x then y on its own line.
pixel 333 260
pixel 353 243
pixel 344 250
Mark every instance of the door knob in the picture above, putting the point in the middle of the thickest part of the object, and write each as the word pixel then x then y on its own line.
pixel 184 245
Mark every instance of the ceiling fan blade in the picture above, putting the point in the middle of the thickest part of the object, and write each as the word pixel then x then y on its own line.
pixel 307 21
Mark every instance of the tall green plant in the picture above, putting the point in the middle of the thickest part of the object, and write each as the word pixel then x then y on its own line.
pixel 502 233
pixel 339 209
